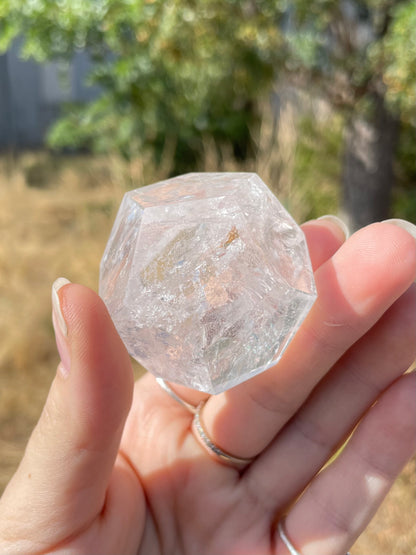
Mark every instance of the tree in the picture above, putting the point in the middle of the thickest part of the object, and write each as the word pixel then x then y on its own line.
pixel 361 55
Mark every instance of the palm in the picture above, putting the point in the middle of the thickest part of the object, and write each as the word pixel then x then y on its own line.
pixel 191 499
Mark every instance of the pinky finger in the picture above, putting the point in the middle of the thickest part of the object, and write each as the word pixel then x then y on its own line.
pixel 343 498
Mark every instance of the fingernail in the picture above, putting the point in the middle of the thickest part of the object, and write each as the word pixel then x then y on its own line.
pixel 337 221
pixel 404 224
pixel 59 324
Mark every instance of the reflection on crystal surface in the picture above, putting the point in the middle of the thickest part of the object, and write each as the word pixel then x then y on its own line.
pixel 207 278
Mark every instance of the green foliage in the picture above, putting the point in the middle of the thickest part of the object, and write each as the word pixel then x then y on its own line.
pixel 395 54
pixel 171 70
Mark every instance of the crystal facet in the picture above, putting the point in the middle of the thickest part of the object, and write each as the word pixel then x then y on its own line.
pixel 207 278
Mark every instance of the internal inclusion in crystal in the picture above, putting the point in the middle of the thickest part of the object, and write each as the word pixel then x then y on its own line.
pixel 207 278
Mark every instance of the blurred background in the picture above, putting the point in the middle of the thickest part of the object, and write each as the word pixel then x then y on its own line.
pixel 318 97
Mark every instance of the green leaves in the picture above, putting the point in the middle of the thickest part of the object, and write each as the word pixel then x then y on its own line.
pixel 168 69
pixel 177 70
pixel 396 55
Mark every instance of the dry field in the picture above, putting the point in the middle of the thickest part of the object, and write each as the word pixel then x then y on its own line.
pixel 53 222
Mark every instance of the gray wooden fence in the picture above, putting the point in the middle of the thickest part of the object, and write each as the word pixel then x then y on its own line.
pixel 32 94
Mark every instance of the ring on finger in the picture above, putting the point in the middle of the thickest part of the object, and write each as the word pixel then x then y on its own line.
pixel 200 432
pixel 213 450
pixel 166 387
pixel 286 541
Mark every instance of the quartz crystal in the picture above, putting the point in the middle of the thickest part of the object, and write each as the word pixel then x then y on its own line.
pixel 207 278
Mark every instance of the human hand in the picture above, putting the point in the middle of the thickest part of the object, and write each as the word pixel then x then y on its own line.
pixel 115 469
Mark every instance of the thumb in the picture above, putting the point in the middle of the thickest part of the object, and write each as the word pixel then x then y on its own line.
pixel 61 483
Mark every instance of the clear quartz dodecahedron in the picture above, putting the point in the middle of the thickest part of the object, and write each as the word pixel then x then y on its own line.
pixel 207 278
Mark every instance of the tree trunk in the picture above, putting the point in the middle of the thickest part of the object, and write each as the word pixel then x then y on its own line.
pixel 367 173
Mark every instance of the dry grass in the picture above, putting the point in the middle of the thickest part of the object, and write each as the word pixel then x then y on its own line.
pixel 55 217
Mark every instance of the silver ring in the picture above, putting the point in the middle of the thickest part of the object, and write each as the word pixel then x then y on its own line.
pixel 164 385
pixel 213 450
pixel 286 541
